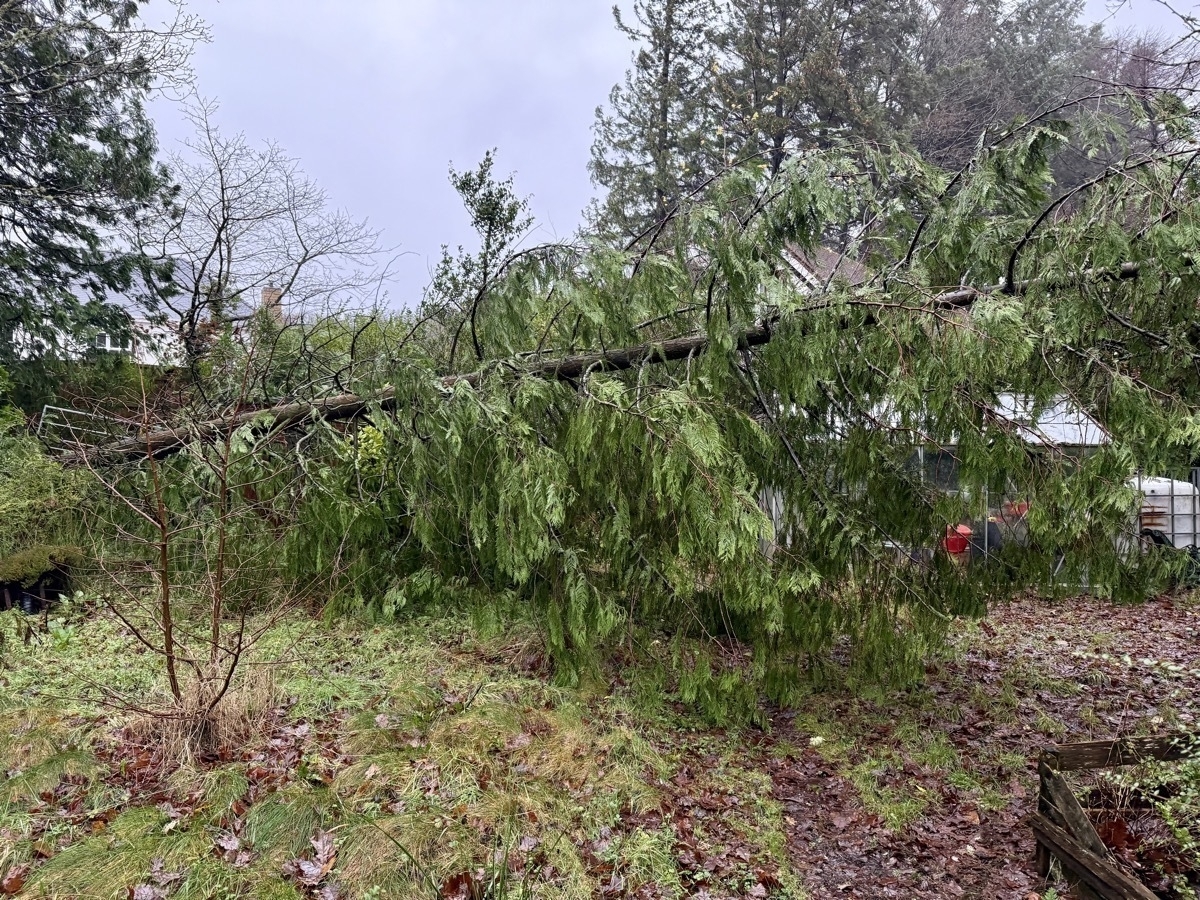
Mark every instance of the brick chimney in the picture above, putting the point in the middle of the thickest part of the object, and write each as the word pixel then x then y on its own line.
pixel 272 302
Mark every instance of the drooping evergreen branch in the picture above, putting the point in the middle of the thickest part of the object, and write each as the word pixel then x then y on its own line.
pixel 1109 173
pixel 568 368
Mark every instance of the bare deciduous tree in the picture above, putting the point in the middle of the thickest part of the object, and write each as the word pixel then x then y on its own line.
pixel 189 549
pixel 248 225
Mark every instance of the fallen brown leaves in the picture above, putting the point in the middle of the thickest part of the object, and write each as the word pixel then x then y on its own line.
pixel 14 880
pixel 1032 672
pixel 1128 666
pixel 1142 842
pixel 709 846
pixel 158 885
pixel 311 873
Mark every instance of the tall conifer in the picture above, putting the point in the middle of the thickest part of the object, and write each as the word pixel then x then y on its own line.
pixel 77 161
pixel 650 146
pixel 799 74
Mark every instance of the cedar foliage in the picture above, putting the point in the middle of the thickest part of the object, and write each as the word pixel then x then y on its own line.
pixel 79 165
pixel 617 506
pixel 620 508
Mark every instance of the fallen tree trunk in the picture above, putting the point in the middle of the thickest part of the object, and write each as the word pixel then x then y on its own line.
pixel 164 441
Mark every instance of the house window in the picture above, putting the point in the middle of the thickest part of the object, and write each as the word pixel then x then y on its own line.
pixel 105 341
pixel 940 468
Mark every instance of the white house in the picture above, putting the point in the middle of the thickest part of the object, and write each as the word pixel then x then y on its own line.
pixel 151 344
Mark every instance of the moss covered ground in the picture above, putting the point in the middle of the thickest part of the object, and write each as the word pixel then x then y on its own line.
pixel 436 758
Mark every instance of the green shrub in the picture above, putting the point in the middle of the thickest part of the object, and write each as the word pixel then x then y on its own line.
pixel 31 564
pixel 40 500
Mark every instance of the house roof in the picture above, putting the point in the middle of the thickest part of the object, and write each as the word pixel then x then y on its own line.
pixel 1062 423
pixel 817 267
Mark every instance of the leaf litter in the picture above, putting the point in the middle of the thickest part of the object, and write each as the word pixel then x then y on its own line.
pixel 1036 672
pixel 919 794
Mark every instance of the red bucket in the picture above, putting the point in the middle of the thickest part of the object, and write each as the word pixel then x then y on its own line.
pixel 958 539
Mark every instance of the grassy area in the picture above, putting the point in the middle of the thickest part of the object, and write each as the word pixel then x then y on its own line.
pixel 403 761
pixel 435 758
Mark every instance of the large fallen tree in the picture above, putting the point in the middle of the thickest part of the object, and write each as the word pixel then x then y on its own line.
pixel 615 486
pixel 351 406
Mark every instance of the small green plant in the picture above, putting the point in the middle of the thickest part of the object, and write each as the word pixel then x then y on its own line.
pixel 1048 725
pixel 61 634
pixel 938 753
pixel 897 807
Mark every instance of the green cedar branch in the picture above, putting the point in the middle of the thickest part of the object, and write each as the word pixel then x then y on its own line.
pixel 351 406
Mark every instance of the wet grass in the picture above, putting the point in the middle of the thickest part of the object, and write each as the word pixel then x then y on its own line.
pixel 425 751
pixel 439 748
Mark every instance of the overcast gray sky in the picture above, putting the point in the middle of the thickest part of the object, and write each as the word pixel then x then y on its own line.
pixel 377 97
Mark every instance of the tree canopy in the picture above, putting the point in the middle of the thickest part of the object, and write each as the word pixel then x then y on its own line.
pixel 621 501
pixel 78 161
pixel 767 79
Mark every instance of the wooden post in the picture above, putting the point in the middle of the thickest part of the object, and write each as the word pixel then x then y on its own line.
pixel 1062 828
pixel 1096 873
pixel 1064 801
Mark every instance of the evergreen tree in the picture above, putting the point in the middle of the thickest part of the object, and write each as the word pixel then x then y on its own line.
pixel 608 476
pixel 985 62
pixel 651 146
pixel 800 74
pixel 77 161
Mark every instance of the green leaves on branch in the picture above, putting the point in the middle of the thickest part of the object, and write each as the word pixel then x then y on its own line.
pixel 628 507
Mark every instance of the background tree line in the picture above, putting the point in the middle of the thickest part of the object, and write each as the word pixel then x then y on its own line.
pixel 715 83
pixel 101 227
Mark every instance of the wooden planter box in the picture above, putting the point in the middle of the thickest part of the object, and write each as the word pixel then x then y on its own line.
pixel 1062 828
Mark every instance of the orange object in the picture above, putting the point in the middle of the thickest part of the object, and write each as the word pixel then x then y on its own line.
pixel 957 539
pixel 1015 510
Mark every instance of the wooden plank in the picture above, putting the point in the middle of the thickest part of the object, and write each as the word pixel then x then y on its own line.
pixel 1104 754
pixel 1101 876
pixel 1046 801
pixel 1042 860
pixel 1042 856
pixel 1065 802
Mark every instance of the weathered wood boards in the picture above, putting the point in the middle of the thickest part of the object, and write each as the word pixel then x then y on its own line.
pixel 1107 754
pixel 1062 828
pixel 1103 878
pixel 1062 799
